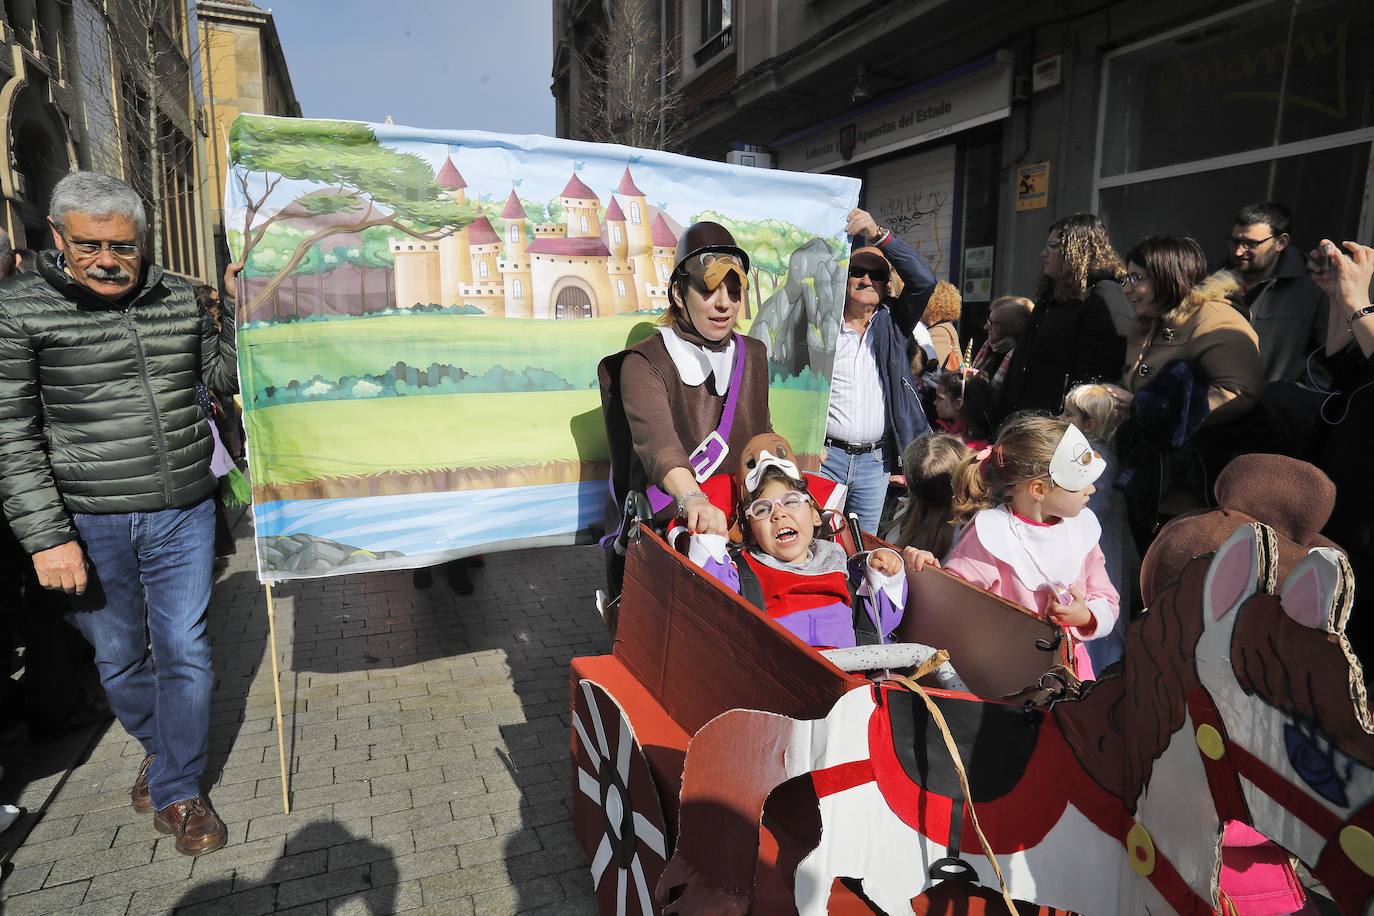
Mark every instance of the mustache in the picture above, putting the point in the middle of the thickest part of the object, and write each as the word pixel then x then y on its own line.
pixel 113 274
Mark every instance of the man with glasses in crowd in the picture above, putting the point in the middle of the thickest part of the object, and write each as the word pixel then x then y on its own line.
pixel 874 409
pixel 105 476
pixel 1287 309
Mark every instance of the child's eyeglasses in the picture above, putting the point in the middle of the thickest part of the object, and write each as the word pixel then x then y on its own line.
pixel 760 509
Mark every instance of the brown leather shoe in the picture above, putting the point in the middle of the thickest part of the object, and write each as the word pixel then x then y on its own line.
pixel 195 824
pixel 139 796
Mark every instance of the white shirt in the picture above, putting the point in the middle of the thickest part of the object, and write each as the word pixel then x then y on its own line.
pixel 857 410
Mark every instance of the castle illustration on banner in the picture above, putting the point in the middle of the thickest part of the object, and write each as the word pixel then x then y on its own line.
pixel 589 266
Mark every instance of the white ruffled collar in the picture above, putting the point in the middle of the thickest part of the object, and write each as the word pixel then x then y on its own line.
pixel 1039 554
pixel 695 363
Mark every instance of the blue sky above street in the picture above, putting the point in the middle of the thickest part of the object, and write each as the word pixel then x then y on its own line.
pixel 449 64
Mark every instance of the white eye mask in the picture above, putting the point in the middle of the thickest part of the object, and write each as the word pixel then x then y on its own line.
pixel 1075 464
pixel 766 460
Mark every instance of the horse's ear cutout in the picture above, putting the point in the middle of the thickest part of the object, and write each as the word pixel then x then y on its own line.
pixel 1235 573
pixel 1317 593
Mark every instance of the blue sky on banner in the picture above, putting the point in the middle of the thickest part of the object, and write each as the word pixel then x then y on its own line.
pixel 539 167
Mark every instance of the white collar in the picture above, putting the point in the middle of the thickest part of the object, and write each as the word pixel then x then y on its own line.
pixel 1039 552
pixel 694 362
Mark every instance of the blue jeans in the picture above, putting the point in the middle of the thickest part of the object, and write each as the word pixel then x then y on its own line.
pixel 150 582
pixel 866 477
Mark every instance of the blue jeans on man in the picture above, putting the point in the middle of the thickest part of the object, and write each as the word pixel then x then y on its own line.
pixel 150 584
pixel 866 477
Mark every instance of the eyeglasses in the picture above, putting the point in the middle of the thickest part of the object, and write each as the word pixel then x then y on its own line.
pixel 121 250
pixel 1247 244
pixel 876 274
pixel 1133 279
pixel 760 509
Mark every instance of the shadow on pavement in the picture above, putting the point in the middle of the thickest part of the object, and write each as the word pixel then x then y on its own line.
pixel 369 880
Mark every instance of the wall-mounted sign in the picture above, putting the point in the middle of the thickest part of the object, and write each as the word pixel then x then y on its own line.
pixel 1047 71
pixel 977 279
pixel 1033 186
pixel 955 105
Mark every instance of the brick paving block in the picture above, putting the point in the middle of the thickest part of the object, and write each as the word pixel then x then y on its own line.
pixel 308 779
pixel 395 898
pixel 418 865
pixel 354 880
pixel 91 864
pixel 359 851
pixel 454 833
pixel 414 819
pixel 381 804
pixel 332 758
pixel 51 850
pixel 326 833
pixel 495 848
pixel 108 906
pixel 52 900
pixel 252 902
pixel 365 709
pixel 329 795
pixel 318 908
pixel 461 906
pixel 26 878
pixel 407 779
pixel 530 816
pixel 125 882
pixel 518 898
pixel 464 882
pixel 231 858
pixel 290 867
pixel 367 737
pixel 450 791
pixel 581 906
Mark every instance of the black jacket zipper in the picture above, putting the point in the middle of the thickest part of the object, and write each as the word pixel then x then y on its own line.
pixel 158 436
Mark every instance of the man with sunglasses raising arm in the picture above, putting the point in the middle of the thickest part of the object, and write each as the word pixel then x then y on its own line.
pixel 105 476
pixel 874 409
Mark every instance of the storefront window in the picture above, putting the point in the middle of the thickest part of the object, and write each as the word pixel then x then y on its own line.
pixel 1269 74
pixel 1324 190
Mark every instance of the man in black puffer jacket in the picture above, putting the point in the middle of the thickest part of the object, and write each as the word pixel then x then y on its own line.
pixel 105 476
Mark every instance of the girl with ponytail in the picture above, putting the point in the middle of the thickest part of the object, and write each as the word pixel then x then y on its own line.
pixel 1028 535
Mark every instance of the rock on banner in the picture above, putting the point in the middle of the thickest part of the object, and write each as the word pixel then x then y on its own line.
pixel 422 312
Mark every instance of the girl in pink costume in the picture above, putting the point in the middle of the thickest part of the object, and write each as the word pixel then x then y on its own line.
pixel 1028 535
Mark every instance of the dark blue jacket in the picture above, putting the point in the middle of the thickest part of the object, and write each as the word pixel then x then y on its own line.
pixel 891 327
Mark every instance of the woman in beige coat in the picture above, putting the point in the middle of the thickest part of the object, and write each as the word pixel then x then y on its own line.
pixel 1183 314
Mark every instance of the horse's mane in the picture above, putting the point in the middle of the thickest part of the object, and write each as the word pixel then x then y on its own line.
pixel 1314 677
pixel 1124 722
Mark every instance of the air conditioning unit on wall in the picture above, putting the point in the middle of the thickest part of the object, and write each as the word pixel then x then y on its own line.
pixel 755 156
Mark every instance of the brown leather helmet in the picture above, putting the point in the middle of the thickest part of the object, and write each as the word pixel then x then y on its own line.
pixel 705 237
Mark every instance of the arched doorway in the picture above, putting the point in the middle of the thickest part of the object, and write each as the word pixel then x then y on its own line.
pixel 41 156
pixel 572 301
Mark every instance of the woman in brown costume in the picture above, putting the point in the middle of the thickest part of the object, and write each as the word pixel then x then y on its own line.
pixel 671 413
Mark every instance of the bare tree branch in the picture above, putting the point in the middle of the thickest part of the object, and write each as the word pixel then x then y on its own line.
pixel 628 95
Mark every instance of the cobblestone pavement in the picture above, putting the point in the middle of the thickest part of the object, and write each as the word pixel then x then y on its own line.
pixel 428 752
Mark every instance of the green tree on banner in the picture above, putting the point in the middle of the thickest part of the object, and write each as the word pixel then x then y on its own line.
pixel 364 184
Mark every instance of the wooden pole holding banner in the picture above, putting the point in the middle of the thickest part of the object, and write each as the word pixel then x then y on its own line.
pixel 276 694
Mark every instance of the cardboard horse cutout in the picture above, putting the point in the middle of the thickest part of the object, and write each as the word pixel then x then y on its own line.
pixel 1238 700
pixel 1111 804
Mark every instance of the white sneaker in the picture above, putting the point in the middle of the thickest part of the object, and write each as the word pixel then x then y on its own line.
pixel 8 815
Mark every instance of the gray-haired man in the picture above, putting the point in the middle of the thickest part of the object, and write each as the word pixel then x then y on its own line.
pixel 105 476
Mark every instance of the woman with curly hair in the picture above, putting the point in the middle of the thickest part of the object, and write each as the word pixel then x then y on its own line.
pixel 1072 336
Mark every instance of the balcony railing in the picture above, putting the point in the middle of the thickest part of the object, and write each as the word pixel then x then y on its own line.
pixel 716 44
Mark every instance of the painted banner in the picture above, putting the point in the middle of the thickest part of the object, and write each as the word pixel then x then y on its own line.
pixel 422 312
